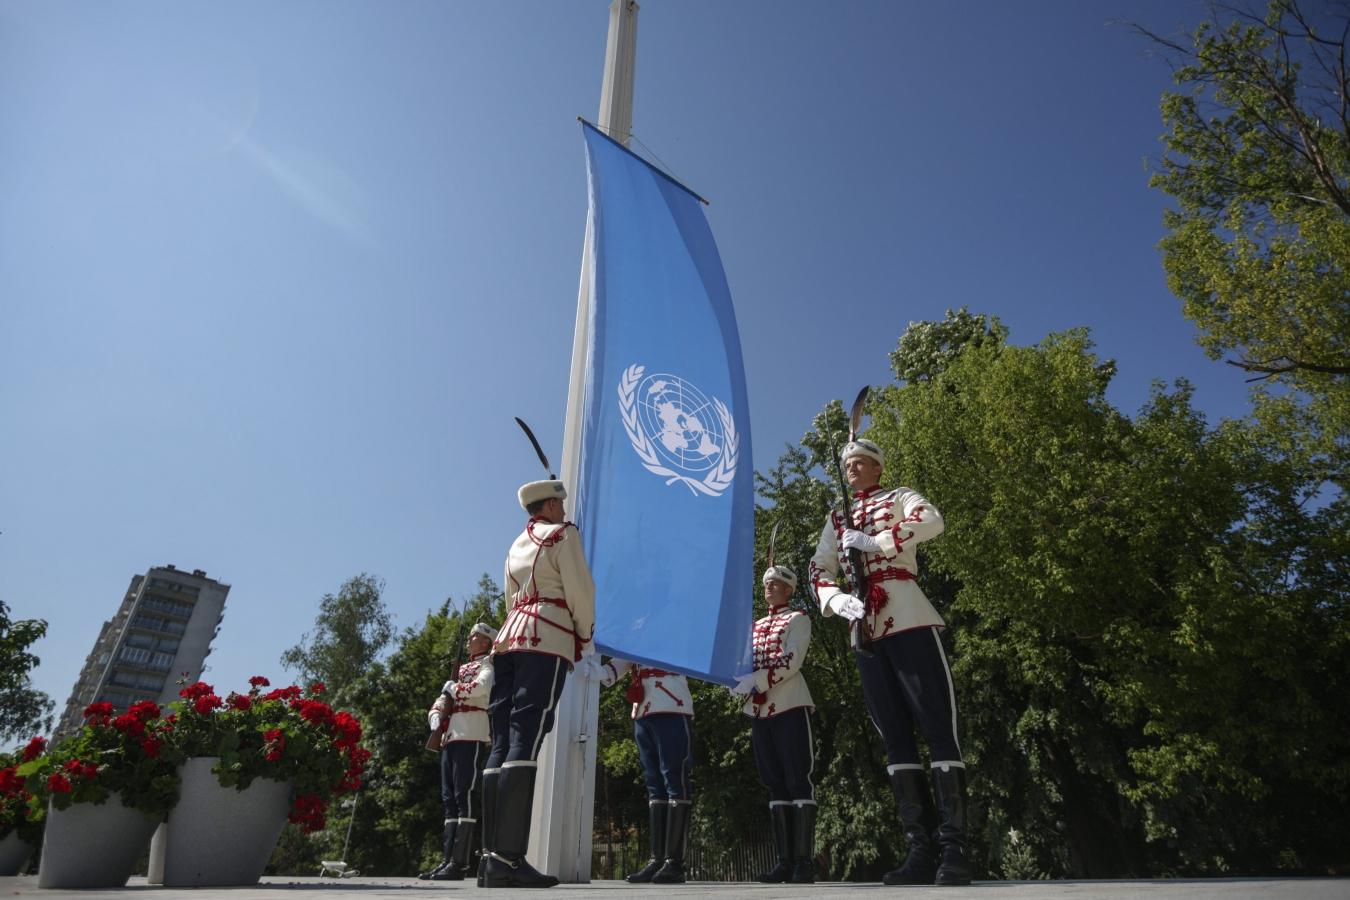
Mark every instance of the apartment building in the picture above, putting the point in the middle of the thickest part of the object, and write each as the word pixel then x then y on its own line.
pixel 160 635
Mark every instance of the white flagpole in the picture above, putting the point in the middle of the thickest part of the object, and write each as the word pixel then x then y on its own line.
pixel 564 793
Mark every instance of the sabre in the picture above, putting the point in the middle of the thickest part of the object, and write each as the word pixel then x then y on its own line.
pixel 537 449
pixel 860 642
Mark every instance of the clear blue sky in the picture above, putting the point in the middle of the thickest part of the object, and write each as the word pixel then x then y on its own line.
pixel 274 277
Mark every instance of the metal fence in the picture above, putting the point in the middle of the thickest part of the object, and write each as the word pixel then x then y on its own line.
pixel 745 861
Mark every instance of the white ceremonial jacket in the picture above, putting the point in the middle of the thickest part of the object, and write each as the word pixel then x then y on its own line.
pixel 652 690
pixel 778 648
pixel 460 712
pixel 900 520
pixel 552 596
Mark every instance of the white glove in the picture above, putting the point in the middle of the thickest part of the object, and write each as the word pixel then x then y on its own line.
pixel 435 720
pixel 588 649
pixel 848 606
pixel 447 687
pixel 589 666
pixel 745 685
pixel 856 540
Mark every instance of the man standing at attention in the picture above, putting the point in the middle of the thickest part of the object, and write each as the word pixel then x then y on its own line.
pixel 905 678
pixel 459 728
pixel 663 718
pixel 780 706
pixel 549 628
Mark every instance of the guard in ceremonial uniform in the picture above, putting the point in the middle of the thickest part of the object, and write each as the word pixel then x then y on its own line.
pixel 906 680
pixel 459 730
pixel 663 717
pixel 780 705
pixel 549 628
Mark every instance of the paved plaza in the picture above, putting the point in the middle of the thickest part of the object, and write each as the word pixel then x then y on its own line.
pixel 296 888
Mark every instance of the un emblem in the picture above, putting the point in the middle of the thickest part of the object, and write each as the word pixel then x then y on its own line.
pixel 679 432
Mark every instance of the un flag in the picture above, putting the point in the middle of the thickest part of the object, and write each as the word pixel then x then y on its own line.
pixel 665 497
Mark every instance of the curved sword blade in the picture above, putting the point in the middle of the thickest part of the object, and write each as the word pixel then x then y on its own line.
pixel 773 536
pixel 537 449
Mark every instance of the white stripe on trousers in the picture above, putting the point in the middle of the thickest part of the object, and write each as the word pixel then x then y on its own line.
pixel 552 699
pixel 951 688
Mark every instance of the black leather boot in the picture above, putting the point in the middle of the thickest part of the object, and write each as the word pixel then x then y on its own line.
pixel 446 870
pixel 951 801
pixel 914 803
pixel 804 843
pixel 462 852
pixel 447 838
pixel 677 835
pixel 489 800
pixel 656 820
pixel 506 865
pixel 780 820
pixel 458 867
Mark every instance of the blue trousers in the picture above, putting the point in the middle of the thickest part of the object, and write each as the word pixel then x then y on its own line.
pixel 461 761
pixel 665 743
pixel 784 754
pixel 525 691
pixel 907 684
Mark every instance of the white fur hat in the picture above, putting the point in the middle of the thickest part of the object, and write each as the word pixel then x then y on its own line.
pixel 485 630
pixel 863 447
pixel 781 573
pixel 540 490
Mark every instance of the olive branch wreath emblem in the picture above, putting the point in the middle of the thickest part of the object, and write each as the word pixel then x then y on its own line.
pixel 717 480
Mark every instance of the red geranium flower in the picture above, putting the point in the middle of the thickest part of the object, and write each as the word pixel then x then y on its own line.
pixel 129 724
pixel 145 710
pixel 199 689
pixel 151 747
pixel 259 681
pixel 58 783
pixel 317 687
pixel 34 748
pixel 314 711
pixel 10 783
pixel 99 711
pixel 307 811
pixel 275 745
pixel 348 728
pixel 240 701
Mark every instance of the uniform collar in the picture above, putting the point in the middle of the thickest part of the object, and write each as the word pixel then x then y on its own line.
pixel 863 495
pixel 479 656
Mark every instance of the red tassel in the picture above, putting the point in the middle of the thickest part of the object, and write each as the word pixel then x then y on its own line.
pixel 876 598
pixel 635 690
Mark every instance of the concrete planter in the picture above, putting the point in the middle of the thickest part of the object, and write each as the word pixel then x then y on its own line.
pixel 219 836
pixel 92 845
pixel 14 852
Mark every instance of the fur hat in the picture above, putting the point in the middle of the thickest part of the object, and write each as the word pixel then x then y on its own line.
pixel 540 490
pixel 781 573
pixel 863 447
pixel 485 630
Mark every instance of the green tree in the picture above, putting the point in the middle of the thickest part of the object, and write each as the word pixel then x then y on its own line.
pixel 24 710
pixel 350 631
pixel 1258 161
pixel 1147 614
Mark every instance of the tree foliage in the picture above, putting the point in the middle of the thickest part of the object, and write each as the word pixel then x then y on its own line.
pixel 24 710
pixel 1258 161
pixel 350 631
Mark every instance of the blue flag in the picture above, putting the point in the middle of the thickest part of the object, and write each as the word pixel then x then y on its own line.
pixel 665 497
